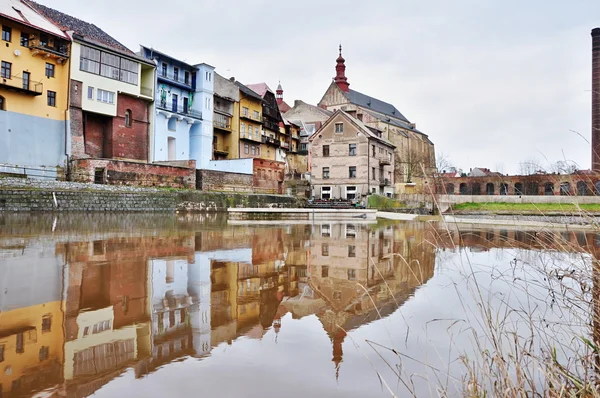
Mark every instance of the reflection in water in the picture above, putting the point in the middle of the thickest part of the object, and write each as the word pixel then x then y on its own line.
pixel 85 298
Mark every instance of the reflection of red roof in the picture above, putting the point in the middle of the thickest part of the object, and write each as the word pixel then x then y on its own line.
pixel 284 107
pixel 259 88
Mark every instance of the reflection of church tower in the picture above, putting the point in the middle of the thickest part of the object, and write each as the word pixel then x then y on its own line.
pixel 338 353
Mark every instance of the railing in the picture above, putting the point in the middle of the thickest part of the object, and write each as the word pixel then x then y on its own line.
pixel 285 145
pixel 222 125
pixel 385 161
pixel 220 148
pixel 180 78
pixel 252 117
pixel 179 109
pixel 21 85
pixel 62 50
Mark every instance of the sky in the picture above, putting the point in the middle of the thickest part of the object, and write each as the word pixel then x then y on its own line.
pixel 492 83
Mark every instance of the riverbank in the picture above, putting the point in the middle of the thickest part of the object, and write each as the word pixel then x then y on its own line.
pixel 27 195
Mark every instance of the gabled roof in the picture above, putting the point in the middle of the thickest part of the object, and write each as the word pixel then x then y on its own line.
pixel 368 102
pixel 164 55
pixel 249 92
pixel 393 121
pixel 325 112
pixel 363 127
pixel 19 12
pixel 260 88
pixel 84 29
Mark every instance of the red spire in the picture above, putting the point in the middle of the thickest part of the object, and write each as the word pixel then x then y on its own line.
pixel 340 73
pixel 279 94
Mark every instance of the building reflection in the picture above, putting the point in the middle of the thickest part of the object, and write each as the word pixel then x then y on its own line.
pixel 78 312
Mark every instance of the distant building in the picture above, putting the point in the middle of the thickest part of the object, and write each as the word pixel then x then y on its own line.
pixel 274 141
pixel 33 92
pixel 251 125
pixel 412 145
pixel 226 119
pixel 350 160
pixel 281 104
pixel 183 109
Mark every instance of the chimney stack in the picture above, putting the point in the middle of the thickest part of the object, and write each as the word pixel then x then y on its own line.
pixel 596 99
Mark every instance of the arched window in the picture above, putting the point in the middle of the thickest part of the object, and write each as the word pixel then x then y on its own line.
pixel 2 103
pixel 463 189
pixel 476 189
pixel 449 189
pixel 128 118
pixel 489 188
pixel 519 189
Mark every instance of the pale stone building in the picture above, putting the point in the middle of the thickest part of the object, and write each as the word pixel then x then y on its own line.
pixel 414 152
pixel 350 160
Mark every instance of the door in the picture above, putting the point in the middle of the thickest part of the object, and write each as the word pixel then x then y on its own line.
pixel 171 148
pixel 185 105
pixel 175 101
pixel 26 76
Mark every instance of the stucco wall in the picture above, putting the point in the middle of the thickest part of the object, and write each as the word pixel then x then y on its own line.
pixel 242 166
pixel 31 141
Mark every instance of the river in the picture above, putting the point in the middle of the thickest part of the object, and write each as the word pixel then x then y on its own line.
pixel 114 305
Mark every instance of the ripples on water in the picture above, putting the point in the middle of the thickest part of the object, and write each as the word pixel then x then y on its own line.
pixel 157 305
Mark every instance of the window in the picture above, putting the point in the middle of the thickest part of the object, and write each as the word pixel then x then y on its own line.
pixel 6 33
pixel 253 149
pixel 352 149
pixel 186 77
pixel 164 69
pixel 324 271
pixel 373 173
pixel 256 133
pixel 256 115
pixel 246 148
pixel 326 229
pixel 5 71
pixel 2 353
pixel 46 323
pixel 243 129
pixel 2 104
pixel 86 331
pixel 245 111
pixel 326 193
pixel 49 70
pixel 51 98
pixel 26 79
pixel 351 192
pixel 352 172
pixel 176 74
pixel 351 274
pixel 43 40
pixel 108 97
pixel 351 251
pixel 109 65
pixel 373 150
pixel 325 173
pixel 127 118
pixel 44 353
pixel 20 343
pixel 324 249
pixel 325 151
pixel 91 92
pixel 339 127
pixel 24 39
pixel 208 76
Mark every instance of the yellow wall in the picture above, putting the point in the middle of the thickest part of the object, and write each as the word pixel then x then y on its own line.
pixel 28 362
pixel 36 65
pixel 252 104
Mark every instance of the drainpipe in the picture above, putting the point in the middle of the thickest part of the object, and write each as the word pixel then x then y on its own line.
pixel 67 116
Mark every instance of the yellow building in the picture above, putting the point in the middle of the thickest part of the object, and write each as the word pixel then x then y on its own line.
pixel 250 143
pixel 31 347
pixel 226 119
pixel 34 92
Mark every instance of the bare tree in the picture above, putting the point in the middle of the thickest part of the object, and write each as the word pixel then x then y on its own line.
pixel 443 163
pixel 529 167
pixel 411 163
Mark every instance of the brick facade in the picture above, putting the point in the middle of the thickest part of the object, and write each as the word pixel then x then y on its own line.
pixel 211 180
pixel 119 172
pixel 268 176
pixel 130 142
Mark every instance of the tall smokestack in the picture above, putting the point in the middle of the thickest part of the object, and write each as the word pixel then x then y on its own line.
pixel 596 99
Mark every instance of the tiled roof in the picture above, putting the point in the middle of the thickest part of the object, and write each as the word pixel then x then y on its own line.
pixel 369 131
pixel 247 91
pixel 260 88
pixel 85 29
pixel 17 11
pixel 367 102
pixel 283 107
pixel 395 122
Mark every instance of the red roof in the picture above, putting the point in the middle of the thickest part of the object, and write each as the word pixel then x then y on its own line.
pixel 259 88
pixel 284 107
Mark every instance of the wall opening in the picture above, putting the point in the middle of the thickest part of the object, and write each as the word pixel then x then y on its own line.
pixel 172 148
pixel 99 173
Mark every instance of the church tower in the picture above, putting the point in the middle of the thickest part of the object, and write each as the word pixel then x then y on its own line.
pixel 279 94
pixel 340 73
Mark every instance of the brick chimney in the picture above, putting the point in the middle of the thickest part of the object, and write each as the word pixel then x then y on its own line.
pixel 596 99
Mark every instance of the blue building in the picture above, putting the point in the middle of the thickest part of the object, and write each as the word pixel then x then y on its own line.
pixel 183 101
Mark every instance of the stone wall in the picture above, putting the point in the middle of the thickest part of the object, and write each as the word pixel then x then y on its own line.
pixel 210 180
pixel 120 172
pixel 268 176
pixel 43 200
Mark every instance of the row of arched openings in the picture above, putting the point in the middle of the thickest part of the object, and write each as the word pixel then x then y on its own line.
pixel 582 188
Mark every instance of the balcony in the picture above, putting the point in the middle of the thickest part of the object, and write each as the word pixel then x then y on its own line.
pixel 19 85
pixel 222 122
pixel 180 110
pixel 221 150
pixel 146 92
pixel 179 80
pixel 268 124
pixel 59 52
pixel 385 161
pixel 285 145
pixel 385 183
pixel 248 116
pixel 246 136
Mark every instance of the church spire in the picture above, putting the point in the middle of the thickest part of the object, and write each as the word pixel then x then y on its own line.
pixel 279 94
pixel 340 73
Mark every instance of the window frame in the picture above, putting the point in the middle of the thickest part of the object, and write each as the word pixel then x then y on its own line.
pixel 51 98
pixel 352 172
pixel 7 30
pixel 352 150
pixel 52 69
pixel 326 151
pixel 325 173
pixel 4 67
pixel 339 127
pixel 128 118
pixel 24 39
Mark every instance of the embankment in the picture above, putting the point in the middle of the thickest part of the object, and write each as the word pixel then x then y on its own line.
pixel 28 196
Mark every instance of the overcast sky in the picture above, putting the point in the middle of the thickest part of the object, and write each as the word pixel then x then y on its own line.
pixel 492 83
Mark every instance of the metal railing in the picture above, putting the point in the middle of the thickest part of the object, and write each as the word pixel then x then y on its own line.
pixel 61 50
pixel 180 78
pixel 179 109
pixel 26 86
